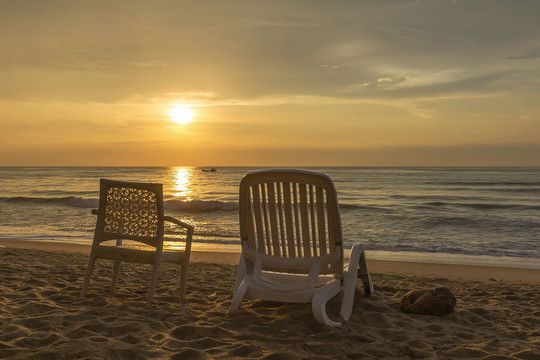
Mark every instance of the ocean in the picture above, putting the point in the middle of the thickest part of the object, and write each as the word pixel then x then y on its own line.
pixel 478 215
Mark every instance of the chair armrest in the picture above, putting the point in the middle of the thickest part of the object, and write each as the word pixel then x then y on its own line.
pixel 178 222
pixel 95 211
pixel 189 236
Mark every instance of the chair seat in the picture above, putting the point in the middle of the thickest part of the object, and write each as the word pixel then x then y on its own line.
pixel 323 283
pixel 124 253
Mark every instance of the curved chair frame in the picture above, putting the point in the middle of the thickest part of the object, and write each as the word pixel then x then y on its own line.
pixel 291 235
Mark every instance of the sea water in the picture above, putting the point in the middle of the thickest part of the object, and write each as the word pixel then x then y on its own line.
pixel 441 214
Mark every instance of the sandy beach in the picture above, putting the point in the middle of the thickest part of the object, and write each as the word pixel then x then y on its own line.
pixel 497 315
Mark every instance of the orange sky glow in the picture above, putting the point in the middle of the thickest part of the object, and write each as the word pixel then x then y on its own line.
pixel 278 83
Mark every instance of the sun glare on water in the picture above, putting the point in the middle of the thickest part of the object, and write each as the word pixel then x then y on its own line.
pixel 182 114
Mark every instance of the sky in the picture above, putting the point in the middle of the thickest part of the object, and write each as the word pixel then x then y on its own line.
pixel 271 83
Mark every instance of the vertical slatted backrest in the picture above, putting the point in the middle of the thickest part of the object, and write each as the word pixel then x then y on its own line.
pixel 131 211
pixel 290 214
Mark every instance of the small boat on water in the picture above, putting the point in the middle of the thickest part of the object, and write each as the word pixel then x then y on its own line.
pixel 210 170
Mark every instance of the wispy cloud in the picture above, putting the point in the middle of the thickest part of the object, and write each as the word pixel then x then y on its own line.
pixel 531 54
pixel 388 71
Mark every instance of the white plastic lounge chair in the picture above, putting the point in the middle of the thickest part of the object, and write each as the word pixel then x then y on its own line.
pixel 134 211
pixel 291 236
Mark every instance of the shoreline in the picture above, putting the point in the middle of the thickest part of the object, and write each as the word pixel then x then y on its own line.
pixel 397 266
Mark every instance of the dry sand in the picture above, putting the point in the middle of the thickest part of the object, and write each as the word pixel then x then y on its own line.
pixel 42 317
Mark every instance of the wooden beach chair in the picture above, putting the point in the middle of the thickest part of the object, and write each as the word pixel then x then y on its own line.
pixel 134 211
pixel 291 236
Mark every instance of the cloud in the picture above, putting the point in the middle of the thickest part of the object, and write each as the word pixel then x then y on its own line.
pixel 149 64
pixel 531 54
pixel 252 49
pixel 387 71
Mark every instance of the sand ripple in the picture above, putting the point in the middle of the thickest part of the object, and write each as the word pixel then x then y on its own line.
pixel 42 317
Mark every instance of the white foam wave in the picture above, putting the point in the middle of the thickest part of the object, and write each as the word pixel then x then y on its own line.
pixel 200 205
pixel 83 202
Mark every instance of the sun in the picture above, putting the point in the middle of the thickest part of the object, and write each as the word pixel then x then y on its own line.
pixel 182 114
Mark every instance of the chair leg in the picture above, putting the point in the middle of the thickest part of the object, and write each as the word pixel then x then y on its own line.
pixel 88 275
pixel 153 282
pixel 349 281
pixel 357 268
pixel 116 270
pixel 240 287
pixel 349 289
pixel 364 275
pixel 240 272
pixel 318 305
pixel 238 296
pixel 183 281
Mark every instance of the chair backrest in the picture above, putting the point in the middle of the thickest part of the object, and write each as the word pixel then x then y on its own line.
pixel 132 211
pixel 291 214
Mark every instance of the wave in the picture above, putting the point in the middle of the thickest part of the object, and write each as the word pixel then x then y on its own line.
pixel 441 249
pixel 454 221
pixel 480 206
pixel 504 190
pixel 217 235
pixel 80 202
pixel 200 205
pixel 364 207
pixel 73 201
pixel 485 183
pixel 518 190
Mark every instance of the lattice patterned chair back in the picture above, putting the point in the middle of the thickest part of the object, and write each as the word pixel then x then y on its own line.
pixel 133 211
